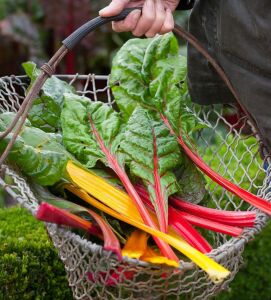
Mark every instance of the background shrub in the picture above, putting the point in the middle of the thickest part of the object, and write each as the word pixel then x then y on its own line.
pixel 29 265
pixel 253 280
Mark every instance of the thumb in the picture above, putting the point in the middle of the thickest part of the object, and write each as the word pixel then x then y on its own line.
pixel 114 8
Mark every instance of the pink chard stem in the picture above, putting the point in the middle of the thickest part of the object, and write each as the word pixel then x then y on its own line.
pixel 241 219
pixel 160 199
pixel 180 225
pixel 111 242
pixel 258 202
pixel 207 224
pixel 51 214
pixel 197 216
pixel 188 232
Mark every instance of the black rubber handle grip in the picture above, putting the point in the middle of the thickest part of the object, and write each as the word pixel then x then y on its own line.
pixel 91 25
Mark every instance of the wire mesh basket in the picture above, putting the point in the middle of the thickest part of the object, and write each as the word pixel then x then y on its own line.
pixel 82 257
pixel 222 145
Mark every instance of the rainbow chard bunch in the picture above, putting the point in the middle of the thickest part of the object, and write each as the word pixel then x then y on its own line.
pixel 41 157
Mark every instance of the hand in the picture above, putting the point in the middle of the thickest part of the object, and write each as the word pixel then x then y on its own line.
pixel 156 16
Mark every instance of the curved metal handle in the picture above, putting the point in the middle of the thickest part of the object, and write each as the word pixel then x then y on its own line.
pixel 91 25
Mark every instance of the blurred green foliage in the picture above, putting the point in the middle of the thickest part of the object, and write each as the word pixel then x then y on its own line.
pixel 8 7
pixel 253 280
pixel 29 265
pixel 2 198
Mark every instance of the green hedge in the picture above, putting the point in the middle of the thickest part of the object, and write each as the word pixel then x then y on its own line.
pixel 31 269
pixel 29 265
pixel 253 281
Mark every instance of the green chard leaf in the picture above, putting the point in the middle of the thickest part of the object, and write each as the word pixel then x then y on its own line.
pixel 46 109
pixel 191 181
pixel 151 73
pixel 146 72
pixel 152 154
pixel 78 136
pixel 126 78
pixel 38 154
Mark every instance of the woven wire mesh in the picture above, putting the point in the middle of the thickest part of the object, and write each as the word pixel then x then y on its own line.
pixel 95 274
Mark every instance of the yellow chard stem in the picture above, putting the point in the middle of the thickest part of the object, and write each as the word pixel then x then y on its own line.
pixel 152 257
pixel 137 247
pixel 216 272
pixel 136 244
pixel 102 190
pixel 108 194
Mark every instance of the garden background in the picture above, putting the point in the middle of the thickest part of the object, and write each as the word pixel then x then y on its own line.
pixel 29 265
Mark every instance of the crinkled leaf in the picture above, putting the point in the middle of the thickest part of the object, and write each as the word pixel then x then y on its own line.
pixel 37 153
pixel 126 77
pixel 46 109
pixel 78 137
pixel 150 72
pixel 152 154
pixel 191 181
pixel 31 70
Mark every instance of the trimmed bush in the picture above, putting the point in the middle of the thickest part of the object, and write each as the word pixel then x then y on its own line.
pixel 29 265
pixel 253 280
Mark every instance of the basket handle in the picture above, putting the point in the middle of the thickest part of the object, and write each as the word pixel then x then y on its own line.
pixel 48 70
pixel 91 25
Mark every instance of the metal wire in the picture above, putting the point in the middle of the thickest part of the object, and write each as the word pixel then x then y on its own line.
pixel 89 267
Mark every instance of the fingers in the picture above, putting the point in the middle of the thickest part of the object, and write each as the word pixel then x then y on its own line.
pixel 153 19
pixel 129 23
pixel 168 23
pixel 114 8
pixel 147 19
pixel 160 16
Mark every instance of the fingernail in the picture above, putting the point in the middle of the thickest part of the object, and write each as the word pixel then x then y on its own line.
pixel 103 10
